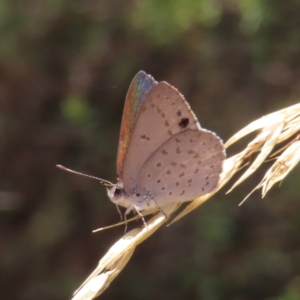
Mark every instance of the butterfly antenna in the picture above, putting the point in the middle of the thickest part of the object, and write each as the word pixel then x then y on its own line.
pixel 102 181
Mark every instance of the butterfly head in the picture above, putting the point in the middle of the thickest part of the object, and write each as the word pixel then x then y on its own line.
pixel 117 194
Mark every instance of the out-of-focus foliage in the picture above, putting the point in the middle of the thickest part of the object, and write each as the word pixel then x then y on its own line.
pixel 65 67
pixel 164 21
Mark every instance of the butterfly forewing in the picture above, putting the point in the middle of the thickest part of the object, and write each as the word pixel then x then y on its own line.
pixel 163 114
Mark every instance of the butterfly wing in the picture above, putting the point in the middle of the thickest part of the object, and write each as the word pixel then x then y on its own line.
pixel 186 166
pixel 163 114
pixel 138 91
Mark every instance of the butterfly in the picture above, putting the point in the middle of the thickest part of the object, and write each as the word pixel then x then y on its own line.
pixel 164 156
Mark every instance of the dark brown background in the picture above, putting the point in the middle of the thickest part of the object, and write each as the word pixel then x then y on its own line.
pixel 65 67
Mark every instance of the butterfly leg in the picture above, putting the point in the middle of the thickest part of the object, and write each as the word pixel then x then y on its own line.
pixel 127 212
pixel 118 209
pixel 139 213
pixel 160 209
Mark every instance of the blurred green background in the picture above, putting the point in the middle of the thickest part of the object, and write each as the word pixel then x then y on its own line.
pixel 65 67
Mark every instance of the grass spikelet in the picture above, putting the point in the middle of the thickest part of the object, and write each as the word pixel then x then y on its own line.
pixel 118 255
pixel 279 170
pixel 282 166
pixel 275 128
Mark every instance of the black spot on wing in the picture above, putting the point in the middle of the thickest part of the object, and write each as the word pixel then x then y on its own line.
pixel 184 122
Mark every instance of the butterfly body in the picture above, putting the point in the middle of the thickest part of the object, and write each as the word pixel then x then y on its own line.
pixel 164 155
pixel 118 195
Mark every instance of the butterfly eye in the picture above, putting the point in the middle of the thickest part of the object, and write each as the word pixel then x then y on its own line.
pixel 118 194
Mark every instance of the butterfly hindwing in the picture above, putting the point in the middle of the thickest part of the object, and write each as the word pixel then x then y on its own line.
pixel 186 166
